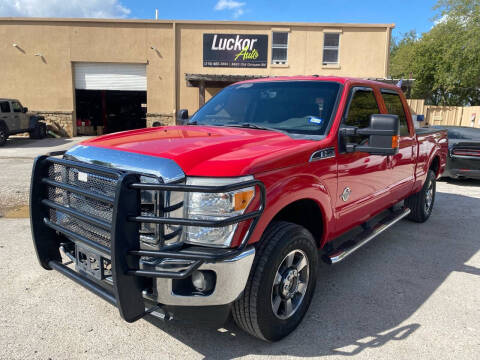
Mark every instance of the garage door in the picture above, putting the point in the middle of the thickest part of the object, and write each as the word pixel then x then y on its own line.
pixel 110 76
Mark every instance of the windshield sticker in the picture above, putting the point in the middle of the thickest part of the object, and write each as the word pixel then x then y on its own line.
pixel 315 120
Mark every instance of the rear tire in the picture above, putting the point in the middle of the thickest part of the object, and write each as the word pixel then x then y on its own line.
pixel 3 134
pixel 39 131
pixel 281 283
pixel 421 203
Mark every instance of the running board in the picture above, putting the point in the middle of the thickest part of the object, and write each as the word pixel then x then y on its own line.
pixel 349 247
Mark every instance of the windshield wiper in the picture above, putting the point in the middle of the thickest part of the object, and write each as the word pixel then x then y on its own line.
pixel 253 126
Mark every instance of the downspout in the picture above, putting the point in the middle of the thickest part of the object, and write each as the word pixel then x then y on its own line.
pixel 175 73
pixel 387 50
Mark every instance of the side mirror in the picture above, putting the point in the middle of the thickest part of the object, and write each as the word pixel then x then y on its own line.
pixel 25 110
pixel 383 135
pixel 182 117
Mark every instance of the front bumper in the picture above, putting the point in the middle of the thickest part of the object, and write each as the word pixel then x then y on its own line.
pixel 129 281
pixel 231 278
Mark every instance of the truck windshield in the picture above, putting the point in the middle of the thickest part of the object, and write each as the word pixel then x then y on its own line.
pixel 298 107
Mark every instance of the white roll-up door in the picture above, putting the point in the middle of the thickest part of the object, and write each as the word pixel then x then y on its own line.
pixel 110 76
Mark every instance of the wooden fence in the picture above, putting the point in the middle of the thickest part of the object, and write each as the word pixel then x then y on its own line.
pixel 445 115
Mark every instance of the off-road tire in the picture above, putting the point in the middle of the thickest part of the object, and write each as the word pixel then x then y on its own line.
pixel 253 311
pixel 417 202
pixel 3 134
pixel 39 131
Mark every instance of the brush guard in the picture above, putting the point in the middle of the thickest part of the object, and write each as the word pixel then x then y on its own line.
pixel 128 280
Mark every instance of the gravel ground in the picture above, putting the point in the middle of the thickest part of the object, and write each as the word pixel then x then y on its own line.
pixel 412 293
pixel 16 159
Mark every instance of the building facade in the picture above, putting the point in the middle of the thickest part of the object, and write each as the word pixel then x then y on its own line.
pixel 110 75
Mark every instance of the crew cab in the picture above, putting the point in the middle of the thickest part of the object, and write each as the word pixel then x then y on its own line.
pixel 15 119
pixel 233 210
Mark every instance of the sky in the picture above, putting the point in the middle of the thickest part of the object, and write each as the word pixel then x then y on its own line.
pixel 406 14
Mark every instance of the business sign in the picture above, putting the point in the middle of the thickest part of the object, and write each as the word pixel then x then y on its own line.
pixel 235 50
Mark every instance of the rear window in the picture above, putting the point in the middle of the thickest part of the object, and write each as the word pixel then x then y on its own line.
pixel 4 106
pixel 395 107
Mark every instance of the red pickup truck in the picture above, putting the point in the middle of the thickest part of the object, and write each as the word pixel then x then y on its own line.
pixel 232 211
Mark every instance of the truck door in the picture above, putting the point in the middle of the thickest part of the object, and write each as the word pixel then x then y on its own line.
pixel 362 178
pixel 20 116
pixel 6 115
pixel 402 165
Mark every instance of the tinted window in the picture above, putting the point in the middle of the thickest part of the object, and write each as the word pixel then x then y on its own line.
pixel 394 106
pixel 362 105
pixel 4 106
pixel 301 107
pixel 16 106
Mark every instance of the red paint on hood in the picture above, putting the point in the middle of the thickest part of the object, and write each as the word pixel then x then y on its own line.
pixel 212 151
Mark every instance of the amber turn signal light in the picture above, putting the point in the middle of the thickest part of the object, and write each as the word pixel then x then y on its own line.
pixel 395 142
pixel 242 199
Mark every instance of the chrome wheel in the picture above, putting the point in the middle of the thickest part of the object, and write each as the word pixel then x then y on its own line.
pixel 290 284
pixel 429 197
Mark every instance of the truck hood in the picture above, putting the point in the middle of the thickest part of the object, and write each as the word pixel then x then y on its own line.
pixel 212 150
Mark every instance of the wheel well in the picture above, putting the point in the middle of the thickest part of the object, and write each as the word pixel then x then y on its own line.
pixel 435 165
pixel 306 213
pixel 2 124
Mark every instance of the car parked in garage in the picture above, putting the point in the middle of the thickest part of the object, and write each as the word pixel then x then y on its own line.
pixel 463 159
pixel 15 119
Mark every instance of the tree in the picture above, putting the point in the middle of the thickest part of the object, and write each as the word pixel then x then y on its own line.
pixel 445 61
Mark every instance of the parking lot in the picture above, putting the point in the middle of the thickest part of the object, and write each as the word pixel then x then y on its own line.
pixel 412 293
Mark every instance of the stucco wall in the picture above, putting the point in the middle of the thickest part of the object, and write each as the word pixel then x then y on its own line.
pixel 169 50
pixel 362 53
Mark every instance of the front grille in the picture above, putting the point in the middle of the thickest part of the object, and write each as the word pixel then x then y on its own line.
pixel 154 203
pixel 97 184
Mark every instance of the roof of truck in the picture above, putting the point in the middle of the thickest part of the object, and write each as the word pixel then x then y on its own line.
pixel 338 79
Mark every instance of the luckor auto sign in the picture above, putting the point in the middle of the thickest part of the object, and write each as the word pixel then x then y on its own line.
pixel 235 50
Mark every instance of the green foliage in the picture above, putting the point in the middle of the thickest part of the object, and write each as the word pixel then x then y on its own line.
pixel 445 62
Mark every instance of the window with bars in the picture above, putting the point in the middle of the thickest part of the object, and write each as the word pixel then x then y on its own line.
pixel 331 43
pixel 279 47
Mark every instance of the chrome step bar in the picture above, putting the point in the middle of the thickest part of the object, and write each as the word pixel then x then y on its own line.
pixel 353 245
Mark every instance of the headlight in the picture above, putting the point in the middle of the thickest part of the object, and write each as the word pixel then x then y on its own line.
pixel 215 206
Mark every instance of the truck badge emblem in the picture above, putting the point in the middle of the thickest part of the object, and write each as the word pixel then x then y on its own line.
pixel 346 193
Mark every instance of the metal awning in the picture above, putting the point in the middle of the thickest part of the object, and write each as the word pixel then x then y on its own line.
pixel 216 81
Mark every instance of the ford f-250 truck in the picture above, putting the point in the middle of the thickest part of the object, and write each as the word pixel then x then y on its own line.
pixel 233 210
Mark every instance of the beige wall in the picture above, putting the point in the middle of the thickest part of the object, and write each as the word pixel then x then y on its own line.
pixel 358 47
pixel 46 83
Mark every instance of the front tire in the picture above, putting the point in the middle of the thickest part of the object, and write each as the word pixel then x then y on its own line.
pixel 281 283
pixel 421 203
